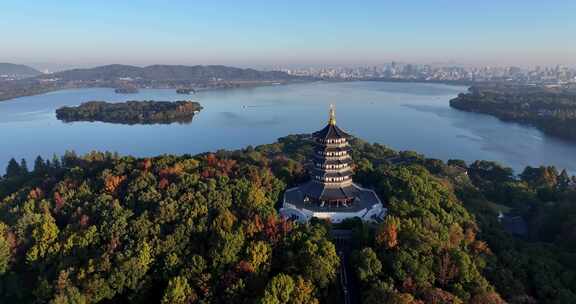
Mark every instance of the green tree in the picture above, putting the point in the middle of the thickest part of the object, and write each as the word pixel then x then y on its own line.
pixel 13 169
pixel 23 166
pixel 70 295
pixel 178 292
pixel 39 165
pixel 44 234
pixel 320 262
pixel 278 290
pixel 367 264
pixel 259 255
pixel 5 251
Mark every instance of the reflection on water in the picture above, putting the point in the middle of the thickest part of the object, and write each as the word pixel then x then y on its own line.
pixel 404 116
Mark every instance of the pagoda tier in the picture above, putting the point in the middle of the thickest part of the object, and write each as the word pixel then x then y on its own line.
pixel 323 163
pixel 332 150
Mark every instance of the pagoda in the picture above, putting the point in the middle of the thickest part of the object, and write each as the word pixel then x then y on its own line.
pixel 331 193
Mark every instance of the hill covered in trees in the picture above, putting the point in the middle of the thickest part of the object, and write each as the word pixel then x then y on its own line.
pixel 204 229
pixel 552 110
pixel 17 71
pixel 131 112
pixel 168 72
pixel 155 76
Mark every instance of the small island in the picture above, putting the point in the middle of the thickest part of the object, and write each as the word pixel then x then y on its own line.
pixel 550 109
pixel 185 91
pixel 126 90
pixel 131 112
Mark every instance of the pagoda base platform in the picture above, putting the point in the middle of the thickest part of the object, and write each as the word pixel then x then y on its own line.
pixel 365 205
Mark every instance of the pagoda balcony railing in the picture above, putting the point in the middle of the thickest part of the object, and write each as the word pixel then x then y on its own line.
pixel 332 154
pixel 322 165
pixel 343 145
pixel 334 180
pixel 344 157
pixel 322 157
pixel 337 170
pixel 338 141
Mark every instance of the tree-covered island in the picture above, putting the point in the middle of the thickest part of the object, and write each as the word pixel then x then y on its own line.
pixel 126 90
pixel 131 112
pixel 550 109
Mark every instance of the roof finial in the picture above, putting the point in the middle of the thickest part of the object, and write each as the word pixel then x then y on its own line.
pixel 332 120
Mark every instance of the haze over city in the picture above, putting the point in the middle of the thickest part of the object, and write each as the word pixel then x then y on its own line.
pixel 265 34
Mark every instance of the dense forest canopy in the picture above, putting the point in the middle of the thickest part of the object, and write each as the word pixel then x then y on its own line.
pixel 204 229
pixel 131 112
pixel 553 110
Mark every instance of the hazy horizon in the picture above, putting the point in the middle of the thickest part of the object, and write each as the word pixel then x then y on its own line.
pixel 264 35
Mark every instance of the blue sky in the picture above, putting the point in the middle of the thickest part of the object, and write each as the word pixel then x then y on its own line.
pixel 284 33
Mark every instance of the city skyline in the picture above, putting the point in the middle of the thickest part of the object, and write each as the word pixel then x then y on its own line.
pixel 260 34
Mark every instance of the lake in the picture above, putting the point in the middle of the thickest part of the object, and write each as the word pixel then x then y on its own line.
pixel 403 116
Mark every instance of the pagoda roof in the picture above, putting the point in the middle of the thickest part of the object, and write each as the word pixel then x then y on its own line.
pixel 323 192
pixel 362 197
pixel 331 131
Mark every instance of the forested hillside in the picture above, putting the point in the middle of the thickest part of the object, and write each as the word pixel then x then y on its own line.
pixel 552 110
pixel 168 73
pixel 17 71
pixel 197 77
pixel 204 229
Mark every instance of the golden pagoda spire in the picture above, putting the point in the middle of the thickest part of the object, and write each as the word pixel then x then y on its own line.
pixel 332 120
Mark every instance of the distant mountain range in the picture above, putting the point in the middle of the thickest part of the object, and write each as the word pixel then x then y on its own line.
pixel 197 77
pixel 168 73
pixel 18 70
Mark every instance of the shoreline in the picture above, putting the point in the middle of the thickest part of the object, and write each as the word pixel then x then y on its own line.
pixel 243 84
pixel 232 85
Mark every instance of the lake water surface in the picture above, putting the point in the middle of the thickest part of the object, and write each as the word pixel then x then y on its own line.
pixel 403 116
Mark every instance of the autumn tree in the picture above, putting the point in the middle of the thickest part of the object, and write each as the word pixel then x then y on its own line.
pixel 387 234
